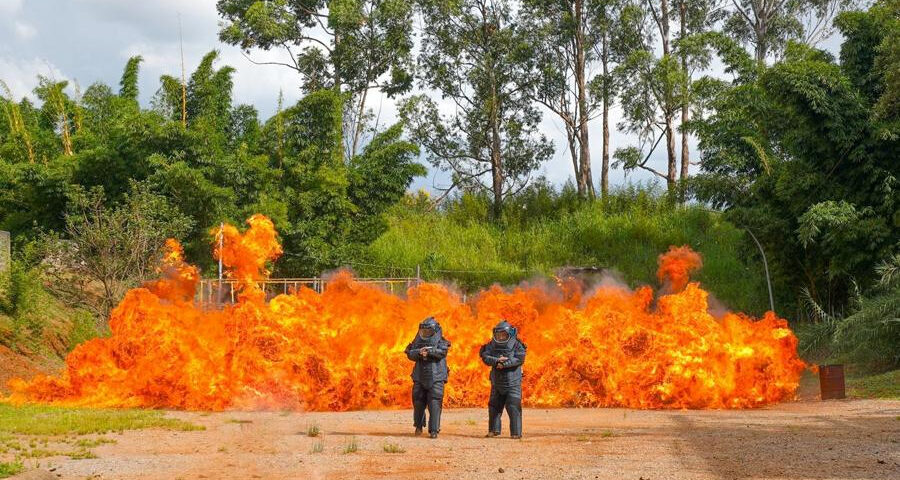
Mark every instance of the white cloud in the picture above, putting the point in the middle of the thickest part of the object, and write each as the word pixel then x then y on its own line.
pixel 10 7
pixel 21 75
pixel 25 31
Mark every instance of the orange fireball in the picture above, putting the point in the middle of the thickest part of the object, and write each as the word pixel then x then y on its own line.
pixel 343 349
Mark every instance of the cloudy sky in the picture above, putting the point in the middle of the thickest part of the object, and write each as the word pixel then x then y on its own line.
pixel 88 41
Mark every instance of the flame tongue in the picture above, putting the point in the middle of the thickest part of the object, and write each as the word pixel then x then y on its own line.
pixel 343 349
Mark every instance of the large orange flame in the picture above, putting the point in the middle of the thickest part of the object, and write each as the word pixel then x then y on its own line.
pixel 343 349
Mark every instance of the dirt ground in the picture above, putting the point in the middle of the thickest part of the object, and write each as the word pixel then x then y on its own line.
pixel 850 439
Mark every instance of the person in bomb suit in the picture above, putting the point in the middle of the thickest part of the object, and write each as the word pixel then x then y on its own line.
pixel 429 351
pixel 505 354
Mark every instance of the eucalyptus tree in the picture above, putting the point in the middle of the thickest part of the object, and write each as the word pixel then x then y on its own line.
pixel 475 57
pixel 570 38
pixel 351 46
pixel 768 25
pixel 652 88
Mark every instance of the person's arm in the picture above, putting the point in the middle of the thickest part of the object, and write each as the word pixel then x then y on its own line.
pixel 440 350
pixel 486 356
pixel 412 352
pixel 517 358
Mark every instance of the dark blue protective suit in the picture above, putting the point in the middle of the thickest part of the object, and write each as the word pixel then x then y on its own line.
pixel 429 376
pixel 506 379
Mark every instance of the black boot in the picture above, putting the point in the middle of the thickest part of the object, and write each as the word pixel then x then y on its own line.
pixel 418 431
pixel 433 434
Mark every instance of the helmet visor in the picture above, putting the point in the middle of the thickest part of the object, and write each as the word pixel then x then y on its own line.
pixel 501 336
pixel 426 332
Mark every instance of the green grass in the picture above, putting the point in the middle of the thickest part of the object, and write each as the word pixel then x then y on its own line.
pixel 50 420
pixel 8 469
pixel 885 385
pixel 393 448
pixel 318 447
pixel 93 442
pixel 352 446
pixel 313 431
pixel 625 237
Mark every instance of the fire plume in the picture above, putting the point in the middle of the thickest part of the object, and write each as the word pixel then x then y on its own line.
pixel 343 349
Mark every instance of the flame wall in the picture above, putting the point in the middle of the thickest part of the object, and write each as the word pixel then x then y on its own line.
pixel 343 349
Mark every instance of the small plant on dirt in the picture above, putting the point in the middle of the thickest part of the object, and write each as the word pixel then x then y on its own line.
pixel 607 434
pixel 393 448
pixel 313 431
pixel 95 442
pixel 8 469
pixel 82 454
pixel 582 438
pixel 352 446
pixel 471 422
pixel 318 447
pixel 238 421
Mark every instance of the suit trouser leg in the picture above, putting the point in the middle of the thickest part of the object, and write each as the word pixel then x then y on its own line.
pixel 435 404
pixel 514 410
pixel 419 399
pixel 495 410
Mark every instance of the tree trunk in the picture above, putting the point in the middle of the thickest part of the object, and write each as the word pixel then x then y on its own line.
pixel 496 158
pixel 604 172
pixel 586 180
pixel 670 150
pixel 357 129
pixel 664 25
pixel 685 104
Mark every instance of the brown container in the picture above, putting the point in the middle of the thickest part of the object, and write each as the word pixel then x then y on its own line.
pixel 831 381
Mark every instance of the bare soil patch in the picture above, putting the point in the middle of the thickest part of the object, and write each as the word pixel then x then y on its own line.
pixel 852 439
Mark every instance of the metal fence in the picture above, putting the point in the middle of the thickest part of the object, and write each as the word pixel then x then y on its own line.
pixel 214 293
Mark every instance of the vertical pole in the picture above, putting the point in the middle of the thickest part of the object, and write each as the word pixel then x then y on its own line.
pixel 766 267
pixel 418 274
pixel 221 245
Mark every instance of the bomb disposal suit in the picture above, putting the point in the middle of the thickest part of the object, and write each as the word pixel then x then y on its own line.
pixel 429 351
pixel 505 354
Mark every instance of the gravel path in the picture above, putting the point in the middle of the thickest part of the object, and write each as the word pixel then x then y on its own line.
pixel 858 439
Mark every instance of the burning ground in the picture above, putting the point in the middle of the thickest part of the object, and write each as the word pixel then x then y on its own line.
pixel 343 349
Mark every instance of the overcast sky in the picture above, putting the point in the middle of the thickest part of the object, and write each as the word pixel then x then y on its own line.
pixel 89 41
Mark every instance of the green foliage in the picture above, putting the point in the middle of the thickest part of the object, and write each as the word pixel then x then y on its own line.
pixel 22 300
pixel 146 172
pixel 8 469
pixel 794 152
pixel 626 234
pixel 868 335
pixel 885 385
pixel 128 85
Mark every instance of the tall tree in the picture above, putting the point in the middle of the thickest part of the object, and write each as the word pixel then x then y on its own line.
pixel 768 25
pixel 352 46
pixel 567 37
pixel 474 56
pixel 651 90
pixel 695 17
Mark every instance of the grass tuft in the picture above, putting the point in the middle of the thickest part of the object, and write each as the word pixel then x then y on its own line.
pixel 8 469
pixel 313 431
pixel 352 446
pixel 318 447
pixel 238 421
pixel 393 448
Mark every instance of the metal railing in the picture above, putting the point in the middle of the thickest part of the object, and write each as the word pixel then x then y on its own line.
pixel 214 292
